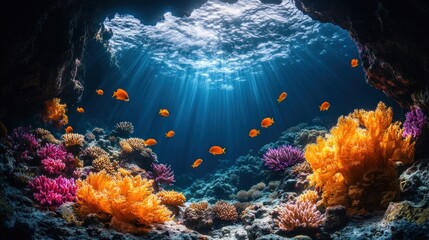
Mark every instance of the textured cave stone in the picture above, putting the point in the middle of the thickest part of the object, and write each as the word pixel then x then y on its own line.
pixel 392 40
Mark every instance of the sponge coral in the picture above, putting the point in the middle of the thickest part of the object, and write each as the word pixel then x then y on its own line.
pixel 129 200
pixel 171 198
pixel 55 112
pixel 354 165
pixel 53 192
pixel 282 157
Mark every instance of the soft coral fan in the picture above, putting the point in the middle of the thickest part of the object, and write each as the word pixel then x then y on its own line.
pixel 24 144
pixel 415 121
pixel 354 165
pixel 162 174
pixel 53 192
pixel 278 159
pixel 129 200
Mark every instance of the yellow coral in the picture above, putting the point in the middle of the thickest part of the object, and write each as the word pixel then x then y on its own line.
pixel 125 146
pixel 103 163
pixel 55 112
pixel 129 200
pixel 73 140
pixel 309 196
pixel 354 165
pixel 171 198
pixel 136 144
pixel 303 167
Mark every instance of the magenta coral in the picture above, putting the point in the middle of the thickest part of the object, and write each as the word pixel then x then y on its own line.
pixel 162 174
pixel 53 166
pixel 51 150
pixel 24 143
pixel 278 159
pixel 415 121
pixel 53 192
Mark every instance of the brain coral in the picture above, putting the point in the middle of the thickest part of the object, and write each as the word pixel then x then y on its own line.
pixel 354 165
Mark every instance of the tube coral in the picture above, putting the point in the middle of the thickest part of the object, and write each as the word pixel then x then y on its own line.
pixel 415 121
pixel 301 214
pixel 354 165
pixel 55 112
pixel 278 159
pixel 53 192
pixel 162 174
pixel 129 200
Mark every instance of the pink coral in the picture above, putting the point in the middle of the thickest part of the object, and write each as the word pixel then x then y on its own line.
pixel 302 214
pixel 53 192
pixel 51 150
pixel 53 166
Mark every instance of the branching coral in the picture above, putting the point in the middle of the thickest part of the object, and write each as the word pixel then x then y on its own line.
pixel 415 121
pixel 124 129
pixel 23 143
pixel 55 159
pixel 171 198
pixel 53 166
pixel 278 159
pixel 162 174
pixel 129 200
pixel 103 163
pixel 354 165
pixel 46 136
pixel 53 192
pixel 301 214
pixel 134 150
pixel 55 112
pixel 51 150
pixel 225 211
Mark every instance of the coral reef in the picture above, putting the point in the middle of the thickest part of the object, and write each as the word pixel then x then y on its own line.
pixel 415 121
pixel 278 159
pixel 225 211
pixel 301 214
pixel 171 198
pixel 355 166
pixel 308 195
pixel 103 163
pixel 91 153
pixel 46 136
pixel 129 200
pixel 53 166
pixel 199 216
pixel 55 112
pixel 73 142
pixel 123 129
pixel 53 192
pixel 161 174
pixel 135 151
pixel 24 143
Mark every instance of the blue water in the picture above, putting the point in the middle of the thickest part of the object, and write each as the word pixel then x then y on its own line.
pixel 218 83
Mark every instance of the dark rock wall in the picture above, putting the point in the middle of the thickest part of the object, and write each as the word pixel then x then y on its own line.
pixel 392 40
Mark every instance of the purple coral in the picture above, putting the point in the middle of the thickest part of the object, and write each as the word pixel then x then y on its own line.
pixel 51 150
pixel 415 120
pixel 278 159
pixel 53 192
pixel 55 158
pixel 24 143
pixel 162 174
pixel 53 166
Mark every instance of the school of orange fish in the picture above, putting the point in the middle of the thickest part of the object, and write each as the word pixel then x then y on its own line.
pixel 122 95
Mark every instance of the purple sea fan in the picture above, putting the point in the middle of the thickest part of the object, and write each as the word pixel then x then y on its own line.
pixel 24 143
pixel 53 192
pixel 162 174
pixel 278 159
pixel 415 121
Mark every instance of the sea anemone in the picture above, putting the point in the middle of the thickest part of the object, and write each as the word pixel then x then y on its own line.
pixel 278 159
pixel 124 129
pixel 162 174
pixel 301 214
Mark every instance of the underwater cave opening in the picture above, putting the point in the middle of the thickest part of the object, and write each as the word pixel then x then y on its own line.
pixel 219 72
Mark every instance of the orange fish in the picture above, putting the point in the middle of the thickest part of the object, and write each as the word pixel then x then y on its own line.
pixel 355 62
pixel 170 134
pixel 216 150
pixel 324 106
pixel 282 97
pixel 266 122
pixel 120 94
pixel 254 132
pixel 164 112
pixel 150 142
pixel 80 110
pixel 69 129
pixel 99 92
pixel 197 163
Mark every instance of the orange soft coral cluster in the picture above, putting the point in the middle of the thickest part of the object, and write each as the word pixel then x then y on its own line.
pixel 55 112
pixel 309 196
pixel 128 200
pixel 171 198
pixel 354 165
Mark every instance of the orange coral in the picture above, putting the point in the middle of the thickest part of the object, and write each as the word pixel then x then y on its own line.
pixel 309 196
pixel 55 112
pixel 354 165
pixel 171 198
pixel 129 200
